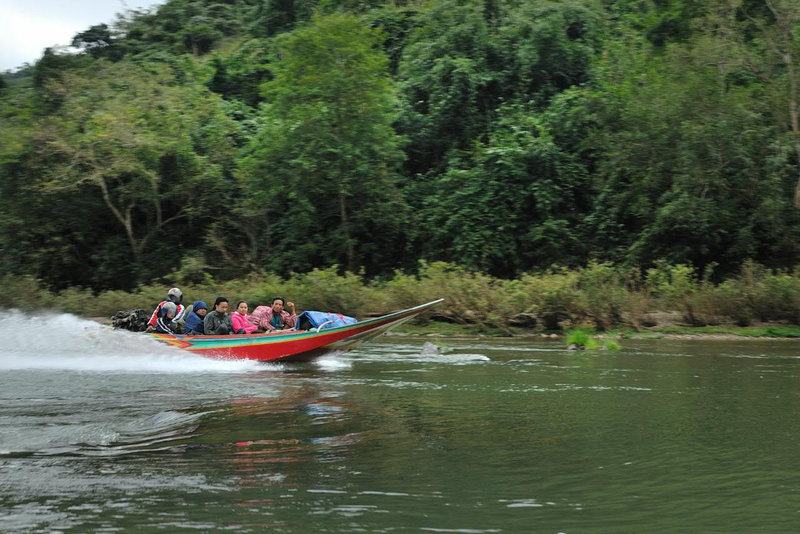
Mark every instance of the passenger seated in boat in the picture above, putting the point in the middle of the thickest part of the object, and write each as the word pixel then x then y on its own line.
pixel 218 321
pixel 194 321
pixel 271 318
pixel 239 319
pixel 165 317
pixel 175 296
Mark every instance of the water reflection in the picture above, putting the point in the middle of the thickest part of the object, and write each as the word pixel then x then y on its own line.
pixel 301 411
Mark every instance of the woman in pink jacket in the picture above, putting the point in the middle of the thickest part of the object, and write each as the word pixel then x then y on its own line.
pixel 240 319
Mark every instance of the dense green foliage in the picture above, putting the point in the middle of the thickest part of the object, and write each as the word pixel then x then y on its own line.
pixel 244 136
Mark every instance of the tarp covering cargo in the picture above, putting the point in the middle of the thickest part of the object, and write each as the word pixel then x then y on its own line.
pixel 309 320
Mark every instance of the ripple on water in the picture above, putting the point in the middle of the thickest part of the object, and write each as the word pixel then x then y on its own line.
pixel 61 436
pixel 398 355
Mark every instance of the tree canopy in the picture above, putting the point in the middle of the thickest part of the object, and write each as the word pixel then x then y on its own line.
pixel 503 136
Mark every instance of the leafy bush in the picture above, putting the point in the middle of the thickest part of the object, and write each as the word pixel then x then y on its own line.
pixel 559 300
pixel 779 298
pixel 759 294
pixel 636 307
pixel 581 339
pixel 108 303
pixel 602 294
pixel 326 290
pixel 678 287
pixel 732 303
pixel 470 298
pixel 25 293
pixel 75 300
pixel 598 297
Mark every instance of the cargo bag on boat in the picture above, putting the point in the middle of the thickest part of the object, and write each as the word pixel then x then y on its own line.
pixel 312 320
pixel 134 320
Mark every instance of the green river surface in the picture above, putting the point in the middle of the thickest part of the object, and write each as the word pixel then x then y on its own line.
pixel 108 431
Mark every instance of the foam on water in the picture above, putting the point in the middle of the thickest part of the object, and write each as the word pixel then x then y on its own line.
pixel 332 362
pixel 66 342
pixel 413 354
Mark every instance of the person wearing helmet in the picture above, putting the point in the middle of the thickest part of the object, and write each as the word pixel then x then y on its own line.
pixel 175 296
pixel 165 316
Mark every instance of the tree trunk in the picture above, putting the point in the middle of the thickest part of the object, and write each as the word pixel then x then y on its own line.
pixel 124 219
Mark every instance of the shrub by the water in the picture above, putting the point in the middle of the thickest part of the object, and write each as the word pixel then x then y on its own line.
pixel 581 339
pixel 599 296
pixel 470 298
pixel 326 290
pixel 24 293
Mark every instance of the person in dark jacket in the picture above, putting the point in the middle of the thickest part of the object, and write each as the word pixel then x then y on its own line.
pixel 194 321
pixel 218 321
pixel 165 316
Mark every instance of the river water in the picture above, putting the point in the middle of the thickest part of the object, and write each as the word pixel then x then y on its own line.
pixel 107 431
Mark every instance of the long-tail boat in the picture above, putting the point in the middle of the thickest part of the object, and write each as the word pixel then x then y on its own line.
pixel 292 345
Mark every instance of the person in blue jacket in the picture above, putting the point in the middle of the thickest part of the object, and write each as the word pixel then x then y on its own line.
pixel 194 321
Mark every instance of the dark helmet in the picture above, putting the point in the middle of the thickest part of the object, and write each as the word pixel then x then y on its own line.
pixel 169 308
pixel 175 295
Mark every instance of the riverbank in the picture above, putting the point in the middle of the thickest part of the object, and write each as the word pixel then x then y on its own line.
pixel 663 301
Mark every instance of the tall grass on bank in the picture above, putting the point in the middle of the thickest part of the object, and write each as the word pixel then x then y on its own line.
pixel 598 297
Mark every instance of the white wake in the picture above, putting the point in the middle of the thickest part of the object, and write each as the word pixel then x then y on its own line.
pixel 66 342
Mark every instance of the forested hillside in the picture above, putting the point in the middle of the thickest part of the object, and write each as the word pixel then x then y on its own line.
pixel 281 136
